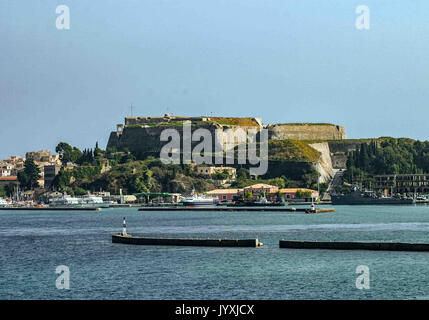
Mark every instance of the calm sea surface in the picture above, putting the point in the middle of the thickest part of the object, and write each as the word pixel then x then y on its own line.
pixel 33 244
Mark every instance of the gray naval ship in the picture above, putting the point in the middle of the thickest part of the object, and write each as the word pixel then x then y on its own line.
pixel 360 197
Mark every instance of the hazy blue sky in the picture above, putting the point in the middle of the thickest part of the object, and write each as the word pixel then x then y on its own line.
pixel 281 60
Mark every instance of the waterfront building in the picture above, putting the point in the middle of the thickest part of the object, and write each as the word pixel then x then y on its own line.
pixel 4 181
pixel 290 193
pixel 258 190
pixel 402 183
pixel 225 195
pixel 261 188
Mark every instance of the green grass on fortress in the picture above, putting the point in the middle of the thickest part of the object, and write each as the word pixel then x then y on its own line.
pixel 305 124
pixel 249 122
pixel 170 124
pixel 362 140
pixel 292 150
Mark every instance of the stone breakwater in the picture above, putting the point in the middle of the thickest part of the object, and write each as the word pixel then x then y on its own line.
pixel 255 243
pixel 347 245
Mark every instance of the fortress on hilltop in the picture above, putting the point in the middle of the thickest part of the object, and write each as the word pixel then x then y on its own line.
pixel 141 135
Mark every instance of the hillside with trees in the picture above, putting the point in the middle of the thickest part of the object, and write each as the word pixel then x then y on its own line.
pixel 112 170
pixel 387 156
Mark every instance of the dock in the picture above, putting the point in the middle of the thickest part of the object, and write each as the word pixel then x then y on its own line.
pixel 127 239
pixel 234 209
pixel 345 245
pixel 319 210
pixel 48 209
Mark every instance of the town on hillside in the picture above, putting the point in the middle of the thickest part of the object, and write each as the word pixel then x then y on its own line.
pixel 42 176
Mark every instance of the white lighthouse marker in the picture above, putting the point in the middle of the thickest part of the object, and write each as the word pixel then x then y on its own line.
pixel 124 227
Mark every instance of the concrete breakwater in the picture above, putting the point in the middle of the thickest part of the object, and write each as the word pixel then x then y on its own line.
pixel 186 242
pixel 345 245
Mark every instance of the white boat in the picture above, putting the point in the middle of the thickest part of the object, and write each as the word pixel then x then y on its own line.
pixel 88 201
pixel 91 201
pixel 3 203
pixel 263 200
pixel 64 202
pixel 198 200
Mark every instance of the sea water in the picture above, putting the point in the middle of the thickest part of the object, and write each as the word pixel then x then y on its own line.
pixel 34 243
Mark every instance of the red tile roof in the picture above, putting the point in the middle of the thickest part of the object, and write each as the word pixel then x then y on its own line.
pixel 9 178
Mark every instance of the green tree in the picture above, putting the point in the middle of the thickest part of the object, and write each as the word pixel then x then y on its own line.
pixel 301 194
pixel 29 176
pixel 9 188
pixel 243 173
pixel 129 157
pixel 79 191
pixel 97 150
pixel 387 156
pixel 224 175
pixel 323 186
pixel 87 157
pixel 68 153
pixel 278 182
pixel 248 195
pixel 141 182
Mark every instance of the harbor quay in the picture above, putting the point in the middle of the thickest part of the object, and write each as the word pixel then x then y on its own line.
pixel 126 239
pixel 350 245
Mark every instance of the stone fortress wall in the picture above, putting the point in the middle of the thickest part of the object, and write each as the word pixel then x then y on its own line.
pixel 142 134
pixel 307 131
pixel 298 131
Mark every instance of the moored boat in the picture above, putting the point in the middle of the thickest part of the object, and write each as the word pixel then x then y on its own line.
pixel 64 201
pixel 3 203
pixel 262 202
pixel 88 201
pixel 91 201
pixel 198 200
pixel 357 197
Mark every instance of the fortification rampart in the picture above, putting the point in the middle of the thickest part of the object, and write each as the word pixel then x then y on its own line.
pixel 306 131
pixel 145 139
pixel 141 135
